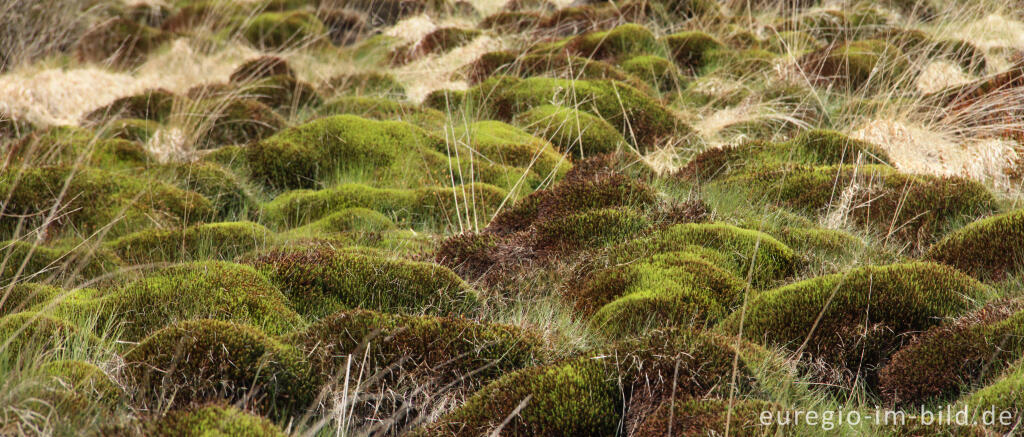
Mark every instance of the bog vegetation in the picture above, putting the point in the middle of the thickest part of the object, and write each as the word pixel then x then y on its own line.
pixel 508 217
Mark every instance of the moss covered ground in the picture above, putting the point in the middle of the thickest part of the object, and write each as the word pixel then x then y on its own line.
pixel 543 218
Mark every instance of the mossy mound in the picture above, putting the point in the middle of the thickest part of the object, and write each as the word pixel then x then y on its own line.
pixel 367 83
pixel 320 281
pixel 511 21
pixel 571 398
pixel 553 64
pixel 508 145
pixel 28 262
pixel 22 296
pixel 432 350
pixel 154 105
pixel 700 417
pixel 813 147
pixel 656 71
pixel 625 40
pixel 420 208
pixel 827 25
pixel 214 360
pixel 205 241
pixel 592 184
pixel 94 199
pixel 948 358
pixel 303 156
pixel 279 30
pixel 66 145
pixel 576 133
pixel 379 108
pixel 899 207
pixel 32 333
pixel 347 220
pixel 85 379
pixel 198 290
pixel 261 68
pixel 234 120
pixel 903 298
pixel 669 289
pixel 858 64
pixel 344 26
pixel 1004 396
pixel 594 228
pixel 282 92
pixel 446 38
pixel 212 420
pixel 986 249
pixel 752 253
pixel 119 42
pixel 131 129
pixel 690 49
pixel 738 63
pixel 226 191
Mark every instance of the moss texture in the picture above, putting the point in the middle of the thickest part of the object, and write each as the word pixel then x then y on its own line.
pixel 206 241
pixel 155 105
pixel 858 63
pixel 627 39
pixel 32 262
pixel 321 281
pixel 279 30
pixel 505 144
pixel 94 199
pixel 986 249
pixel 66 145
pixel 215 360
pixel 576 133
pixel 690 49
pixel 212 420
pixel 903 298
pixel 236 121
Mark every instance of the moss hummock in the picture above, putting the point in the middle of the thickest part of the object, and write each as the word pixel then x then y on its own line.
pixel 988 249
pixel 578 134
pixel 320 281
pixel 279 30
pixel 212 420
pixel 206 241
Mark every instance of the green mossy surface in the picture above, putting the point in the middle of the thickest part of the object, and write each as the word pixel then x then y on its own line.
pixel 508 145
pixel 216 360
pixel 1005 395
pixel 578 134
pixel 903 298
pixel 627 39
pixel 67 145
pixel 696 417
pixel 380 108
pixel 278 30
pixel 212 420
pixel 320 281
pixel 656 71
pixel 207 241
pixel 986 249
pixel 154 105
pixel 690 49
pixel 231 120
pixel 95 199
pixel 26 262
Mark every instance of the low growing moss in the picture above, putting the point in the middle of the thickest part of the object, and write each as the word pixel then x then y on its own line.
pixel 66 145
pixel 154 105
pixel 24 261
pixel 279 30
pixel 214 419
pixel 215 360
pixel 690 49
pixel 205 241
pixel 903 298
pixel 858 64
pixel 509 145
pixel 594 228
pixel 986 249
pixel 576 133
pixel 233 120
pixel 261 68
pixel 320 281
pixel 697 417
pixel 626 40
pixel 656 71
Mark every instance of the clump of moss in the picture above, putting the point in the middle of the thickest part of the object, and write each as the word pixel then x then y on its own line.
pixel 120 42
pixel 212 419
pixel 695 417
pixel 25 261
pixel 1005 395
pixel 445 39
pixel 378 108
pixel 84 379
pixel 371 83
pixel 511 21
pixel 347 220
pixel 468 254
pixel 421 207
pixel 625 40
pixel 576 133
pixel 790 41
pixel 279 30
pixel 320 281
pixel 236 121
pixel 986 249
pixel 65 145
pixel 571 398
pixel 594 228
pixel 858 63
pixel 766 258
pixel 828 25
pixel 225 190
pixel 154 105
pixel 261 68
pixel 656 71
pixel 30 332
pixel 690 49
pixel 205 241
pixel 900 207
pixel 215 360
pixel 20 297
pixel 675 288
pixel 427 348
pixel 903 298
pixel 282 92
pixel 509 145
pixel 945 359
pixel 551 64
pixel 575 20
pixel 739 63
pixel 93 199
